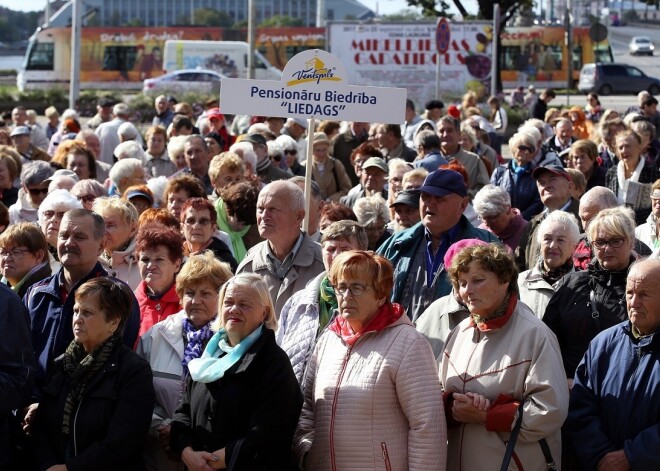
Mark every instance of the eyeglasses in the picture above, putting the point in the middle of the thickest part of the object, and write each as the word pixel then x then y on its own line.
pixel 13 252
pixel 49 214
pixel 277 158
pixel 292 151
pixel 37 191
pixel 86 198
pixel 614 243
pixel 201 222
pixel 526 149
pixel 356 289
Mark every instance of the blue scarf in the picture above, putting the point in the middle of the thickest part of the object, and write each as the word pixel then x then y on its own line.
pixel 213 364
pixel 194 342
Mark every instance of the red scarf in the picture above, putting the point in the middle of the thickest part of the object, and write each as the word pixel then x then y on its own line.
pixel 386 315
pixel 498 322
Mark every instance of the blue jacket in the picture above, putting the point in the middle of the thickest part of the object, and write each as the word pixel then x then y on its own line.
pixel 402 247
pixel 614 401
pixel 51 319
pixel 431 161
pixel 524 194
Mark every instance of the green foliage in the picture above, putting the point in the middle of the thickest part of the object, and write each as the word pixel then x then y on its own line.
pixel 143 104
pixel 210 17
pixel 17 25
pixel 407 14
pixel 279 21
pixel 137 22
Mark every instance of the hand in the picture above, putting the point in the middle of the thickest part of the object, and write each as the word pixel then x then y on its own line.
pixel 29 417
pixel 164 436
pixel 463 408
pixel 614 461
pixel 197 460
pixel 570 383
pixel 57 467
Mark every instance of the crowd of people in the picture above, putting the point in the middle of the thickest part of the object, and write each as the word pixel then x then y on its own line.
pixel 445 307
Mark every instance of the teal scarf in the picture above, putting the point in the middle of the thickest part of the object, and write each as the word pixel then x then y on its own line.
pixel 212 366
pixel 236 237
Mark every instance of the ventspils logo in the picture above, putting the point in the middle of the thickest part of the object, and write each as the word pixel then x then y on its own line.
pixel 314 71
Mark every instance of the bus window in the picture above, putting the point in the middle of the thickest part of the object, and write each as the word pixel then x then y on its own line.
pixel 119 57
pixel 41 57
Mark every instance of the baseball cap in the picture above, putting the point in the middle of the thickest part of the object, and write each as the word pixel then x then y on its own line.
pixel 214 113
pixel 298 121
pixel 63 172
pixel 432 104
pixel 556 169
pixel 376 162
pixel 444 182
pixel 139 194
pixel 255 138
pixel 105 101
pixel 20 131
pixel 321 138
pixel 407 197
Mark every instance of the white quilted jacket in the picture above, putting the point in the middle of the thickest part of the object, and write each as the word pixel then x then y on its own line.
pixel 374 406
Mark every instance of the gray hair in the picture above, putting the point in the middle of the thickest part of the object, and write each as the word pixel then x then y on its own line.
pixel 246 152
pixel 370 208
pixel 428 140
pixel 397 163
pixel 107 204
pixel 122 110
pixel 124 169
pixel 157 186
pixel 176 146
pixel 292 191
pixel 129 150
pixel 345 229
pixel 451 120
pixel 274 149
pixel 286 142
pixel 254 282
pixel 524 138
pixel 258 128
pixel 471 133
pixel 491 201
pixel 204 125
pixel 317 194
pixel 544 130
pixel 601 196
pixel 194 137
pixel 70 114
pixel 99 224
pixel 128 131
pixel 645 127
pixel 89 186
pixel 35 172
pixel 564 219
pixel 58 199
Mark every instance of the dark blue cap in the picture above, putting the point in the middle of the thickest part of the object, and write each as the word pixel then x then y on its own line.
pixel 444 182
pixel 556 169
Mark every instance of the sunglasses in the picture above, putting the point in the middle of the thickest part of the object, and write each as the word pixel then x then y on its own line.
pixel 526 149
pixel 292 152
pixel 86 198
pixel 38 191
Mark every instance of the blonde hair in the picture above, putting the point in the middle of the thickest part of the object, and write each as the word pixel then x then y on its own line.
pixel 200 268
pixel 255 283
pixel 618 221
pixel 225 162
pixel 125 208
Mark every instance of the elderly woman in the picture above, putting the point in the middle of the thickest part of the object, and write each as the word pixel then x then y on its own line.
pixel 125 173
pixel 86 191
pixel 198 219
pixel 414 179
pixel 121 224
pixel 34 189
pixel 75 156
pixel 179 190
pixel 176 151
pixel 158 161
pixel 23 257
pixel 584 155
pixel 557 235
pixel 328 172
pixel 649 231
pixel 632 175
pixel 516 176
pixel 607 129
pixel 177 338
pixel 139 196
pixel 237 217
pixel 372 396
pixel 97 403
pixel 290 151
pixel 333 212
pixel 225 169
pixel 513 364
pixel 373 214
pixel 308 312
pixel 646 131
pixel 493 206
pixel 241 401
pixel 51 212
pixel 159 251
pixel 588 302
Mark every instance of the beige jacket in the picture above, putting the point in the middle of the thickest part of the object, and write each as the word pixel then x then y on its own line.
pixel 374 406
pixel 520 359
pixel 334 181
pixel 123 265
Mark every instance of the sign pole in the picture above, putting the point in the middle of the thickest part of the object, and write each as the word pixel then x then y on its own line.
pixel 438 58
pixel 442 37
pixel 496 39
pixel 311 124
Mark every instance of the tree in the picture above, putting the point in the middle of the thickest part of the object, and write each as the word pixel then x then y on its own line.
pixel 279 21
pixel 210 17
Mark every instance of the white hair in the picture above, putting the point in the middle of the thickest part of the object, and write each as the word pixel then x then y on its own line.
pixel 157 186
pixel 286 142
pixel 204 125
pixel 121 109
pixel 491 201
pixel 124 169
pixel 70 114
pixel 561 218
pixel 531 131
pixel 295 195
pixel 245 151
pixel 274 149
pixel 58 199
pixel 128 131
pixel 370 208
pixel 258 128
pixel 176 145
pixel 130 150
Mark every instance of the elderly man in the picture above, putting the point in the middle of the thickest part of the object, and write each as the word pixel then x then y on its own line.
pixel 103 113
pixel 107 132
pixel 427 144
pixel 38 136
pixel 372 180
pixel 554 185
pixel 391 143
pixel 561 142
pixel 164 115
pixel 614 412
pixel 196 154
pixel 449 130
pixel 345 143
pixel 417 253
pixel 93 143
pixel 20 138
pixel 34 188
pixel 288 259
pixel 50 302
pixel 409 126
pixel 493 206
pixel 316 205
pixel 125 173
pixel 266 172
pixel 406 210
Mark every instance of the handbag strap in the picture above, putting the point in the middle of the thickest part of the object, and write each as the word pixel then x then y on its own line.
pixel 547 454
pixel 594 309
pixel 513 438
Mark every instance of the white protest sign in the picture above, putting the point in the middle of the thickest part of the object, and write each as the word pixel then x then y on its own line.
pixel 314 85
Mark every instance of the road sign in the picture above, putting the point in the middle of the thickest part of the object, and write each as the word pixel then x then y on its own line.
pixel 442 36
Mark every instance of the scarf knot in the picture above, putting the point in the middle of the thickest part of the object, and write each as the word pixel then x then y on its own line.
pixel 195 341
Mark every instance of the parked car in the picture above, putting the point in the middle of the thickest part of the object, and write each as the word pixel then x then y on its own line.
pixel 641 45
pixel 606 79
pixel 181 81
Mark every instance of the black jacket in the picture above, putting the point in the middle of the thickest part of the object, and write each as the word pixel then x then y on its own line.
pixel 222 253
pixel 570 315
pixel 252 411
pixel 111 421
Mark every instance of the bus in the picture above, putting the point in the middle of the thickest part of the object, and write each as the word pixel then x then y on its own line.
pixel 537 55
pixel 123 57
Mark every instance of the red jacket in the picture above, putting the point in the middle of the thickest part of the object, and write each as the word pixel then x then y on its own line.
pixel 153 311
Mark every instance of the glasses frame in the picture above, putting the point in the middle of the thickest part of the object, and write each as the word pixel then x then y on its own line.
pixel 356 289
pixel 615 243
